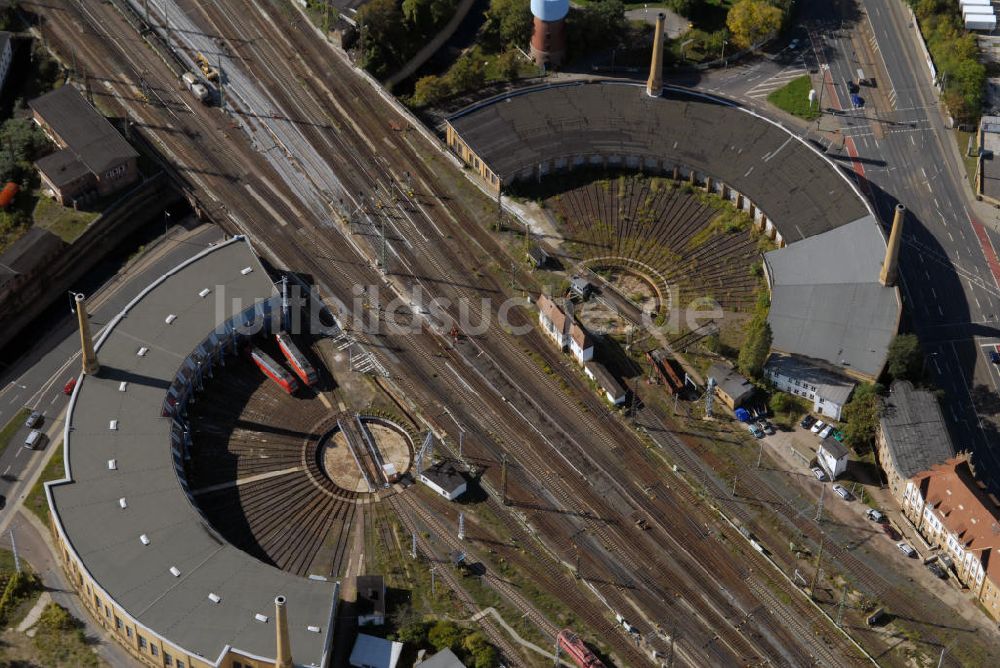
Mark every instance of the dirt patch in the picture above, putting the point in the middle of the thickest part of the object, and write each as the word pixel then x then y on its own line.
pixel 340 465
pixel 393 445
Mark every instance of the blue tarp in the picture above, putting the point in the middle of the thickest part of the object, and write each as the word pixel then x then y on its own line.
pixel 742 415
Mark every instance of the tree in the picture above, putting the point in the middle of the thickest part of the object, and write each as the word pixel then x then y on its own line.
pixel 752 21
pixel 507 65
pixel 383 36
pixel 861 416
pixel 510 21
pixel 430 90
pixel 445 635
pixel 468 72
pixel 756 347
pixel 906 358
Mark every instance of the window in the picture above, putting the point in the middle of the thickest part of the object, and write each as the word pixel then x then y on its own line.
pixel 237 664
pixel 167 659
pixel 107 612
pixel 118 623
pixel 153 650
pixel 128 631
pixel 180 664
pixel 142 643
pixel 97 602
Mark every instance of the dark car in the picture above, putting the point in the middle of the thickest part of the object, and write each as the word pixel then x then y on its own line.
pixel 857 101
pixel 995 357
pixel 890 532
pixel 852 87
pixel 807 422
pixel 935 568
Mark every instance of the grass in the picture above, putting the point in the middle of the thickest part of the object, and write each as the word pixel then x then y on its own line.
pixel 60 640
pixel 962 138
pixel 64 222
pixel 793 98
pixel 36 501
pixel 7 433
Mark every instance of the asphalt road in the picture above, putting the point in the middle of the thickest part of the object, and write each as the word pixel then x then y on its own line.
pixel 37 380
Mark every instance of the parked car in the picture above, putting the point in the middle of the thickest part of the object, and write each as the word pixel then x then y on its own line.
pixel 756 431
pixel 842 493
pixel 807 422
pixel 995 357
pixel 875 515
pixel 819 473
pixel 33 420
pixel 857 101
pixel 852 87
pixel 826 431
pixel 817 426
pixel 891 532
pixel 838 436
pixel 765 426
pixel 935 568
pixel 69 386
pixel 907 550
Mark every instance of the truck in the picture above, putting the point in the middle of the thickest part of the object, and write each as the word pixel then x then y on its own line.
pixel 197 88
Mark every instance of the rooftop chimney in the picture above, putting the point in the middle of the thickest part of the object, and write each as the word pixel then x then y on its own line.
pixel 890 267
pixel 90 363
pixel 654 87
pixel 283 654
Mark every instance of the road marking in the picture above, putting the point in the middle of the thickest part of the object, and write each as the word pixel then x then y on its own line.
pixel 7 470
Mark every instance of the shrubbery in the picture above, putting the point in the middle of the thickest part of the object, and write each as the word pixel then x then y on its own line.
pixel 470 646
pixel 956 57
pixel 392 31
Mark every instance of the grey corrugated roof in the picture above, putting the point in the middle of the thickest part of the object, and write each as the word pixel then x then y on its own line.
pixel 914 429
pixel 827 303
pixel 86 132
pixel 106 537
pixel 834 447
pixel 828 385
pixel 730 382
pixel 62 167
pixel 789 181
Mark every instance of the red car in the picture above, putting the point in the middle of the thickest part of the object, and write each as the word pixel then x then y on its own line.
pixel 69 386
pixel 890 532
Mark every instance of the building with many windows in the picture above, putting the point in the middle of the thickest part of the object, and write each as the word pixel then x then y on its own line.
pixel 828 392
pixel 954 512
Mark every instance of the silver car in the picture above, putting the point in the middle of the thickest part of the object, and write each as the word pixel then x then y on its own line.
pixel 33 420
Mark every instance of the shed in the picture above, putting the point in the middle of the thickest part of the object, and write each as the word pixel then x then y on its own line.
pixel 732 388
pixel 372 652
pixel 832 456
pixel 609 385
pixel 539 257
pixel 445 479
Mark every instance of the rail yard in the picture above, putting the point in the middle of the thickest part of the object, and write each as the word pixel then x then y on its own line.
pixel 616 518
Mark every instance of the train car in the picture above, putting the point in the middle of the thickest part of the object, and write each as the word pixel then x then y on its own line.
pixel 274 371
pixel 300 365
pixel 580 653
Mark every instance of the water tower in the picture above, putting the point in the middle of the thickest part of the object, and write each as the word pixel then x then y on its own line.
pixel 548 39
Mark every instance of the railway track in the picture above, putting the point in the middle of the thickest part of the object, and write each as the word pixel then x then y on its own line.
pixel 305 236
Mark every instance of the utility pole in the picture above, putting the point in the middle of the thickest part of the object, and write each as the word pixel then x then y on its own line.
pixel 558 649
pixel 222 87
pixel 499 211
pixel 413 545
pixel 382 254
pixel 819 557
pixel 461 438
pixel 840 608
pixel 760 453
pixel 670 657
pixel 735 476
pixel 461 526
pixel 145 8
pixel 819 504
pixel 433 569
pixel 503 479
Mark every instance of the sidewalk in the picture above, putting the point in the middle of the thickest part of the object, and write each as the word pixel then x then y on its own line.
pixel 34 545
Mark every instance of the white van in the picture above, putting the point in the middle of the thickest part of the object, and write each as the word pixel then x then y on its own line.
pixel 33 440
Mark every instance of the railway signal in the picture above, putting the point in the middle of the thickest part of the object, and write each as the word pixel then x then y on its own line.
pixel 461 526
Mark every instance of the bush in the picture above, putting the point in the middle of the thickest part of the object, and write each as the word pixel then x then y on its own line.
pixel 752 22
pixel 906 358
pixel 756 347
pixel 861 416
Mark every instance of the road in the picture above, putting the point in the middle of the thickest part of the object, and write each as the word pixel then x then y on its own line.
pixel 37 380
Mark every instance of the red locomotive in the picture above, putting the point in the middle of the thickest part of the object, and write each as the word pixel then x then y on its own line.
pixel 274 371
pixel 300 365
pixel 574 647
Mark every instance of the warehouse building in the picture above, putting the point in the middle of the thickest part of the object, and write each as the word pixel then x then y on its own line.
pixel 149 568
pixel 93 160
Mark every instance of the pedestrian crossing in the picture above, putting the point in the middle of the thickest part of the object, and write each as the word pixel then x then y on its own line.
pixel 771 84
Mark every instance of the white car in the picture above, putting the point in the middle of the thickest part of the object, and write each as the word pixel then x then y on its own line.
pixel 816 427
pixel 826 431
pixel 842 493
pixel 819 473
pixel 906 549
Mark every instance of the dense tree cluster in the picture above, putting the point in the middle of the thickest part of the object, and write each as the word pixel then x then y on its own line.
pixel 861 416
pixel 392 31
pixel 906 358
pixel 470 646
pixel 756 346
pixel 752 22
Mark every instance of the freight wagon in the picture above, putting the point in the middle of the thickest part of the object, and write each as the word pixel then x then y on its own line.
pixel 274 371
pixel 300 365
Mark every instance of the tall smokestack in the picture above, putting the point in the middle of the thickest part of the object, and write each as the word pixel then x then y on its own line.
pixel 548 37
pixel 90 363
pixel 654 87
pixel 283 653
pixel 890 267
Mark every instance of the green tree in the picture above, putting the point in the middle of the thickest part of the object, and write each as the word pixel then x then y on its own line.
pixel 906 358
pixel 383 36
pixel 756 347
pixel 507 65
pixel 861 416
pixel 468 72
pixel 445 634
pixel 752 21
pixel 510 22
pixel 430 90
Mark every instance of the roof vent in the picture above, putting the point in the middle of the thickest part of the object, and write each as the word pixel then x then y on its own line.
pixel 112 464
pixel 246 270
pixel 214 598
pixel 121 502
pixel 144 539
pixel 175 571
pixel 204 293
pixel 170 318
pixel 113 425
pixel 260 618
pixel 122 386
pixel 313 629
pixel 142 351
